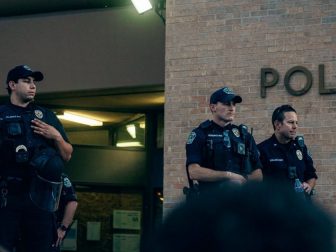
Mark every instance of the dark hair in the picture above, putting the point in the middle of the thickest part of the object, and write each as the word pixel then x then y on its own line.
pixel 256 217
pixel 279 113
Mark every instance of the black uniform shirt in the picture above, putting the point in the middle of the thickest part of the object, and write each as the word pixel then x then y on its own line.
pixel 276 159
pixel 210 135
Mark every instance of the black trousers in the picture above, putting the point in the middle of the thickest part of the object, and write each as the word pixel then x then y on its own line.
pixel 22 220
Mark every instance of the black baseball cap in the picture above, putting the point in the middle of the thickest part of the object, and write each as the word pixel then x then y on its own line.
pixel 23 71
pixel 224 95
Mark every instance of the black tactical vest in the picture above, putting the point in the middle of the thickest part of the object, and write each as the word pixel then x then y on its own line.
pixel 224 149
pixel 17 139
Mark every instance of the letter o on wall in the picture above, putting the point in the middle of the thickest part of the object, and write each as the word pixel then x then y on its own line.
pixel 289 74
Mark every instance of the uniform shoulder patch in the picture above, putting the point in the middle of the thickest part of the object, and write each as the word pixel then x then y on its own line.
pixel 66 182
pixel 191 137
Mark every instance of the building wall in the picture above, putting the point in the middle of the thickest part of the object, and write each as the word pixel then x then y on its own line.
pixel 210 44
pixel 87 49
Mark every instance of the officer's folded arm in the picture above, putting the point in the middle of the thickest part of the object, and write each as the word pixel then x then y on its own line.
pixel 65 149
pixel 256 175
pixel 199 173
pixel 50 132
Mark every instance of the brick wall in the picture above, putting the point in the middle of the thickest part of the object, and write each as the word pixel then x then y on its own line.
pixel 212 43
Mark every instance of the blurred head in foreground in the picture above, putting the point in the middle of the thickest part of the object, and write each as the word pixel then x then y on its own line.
pixel 256 217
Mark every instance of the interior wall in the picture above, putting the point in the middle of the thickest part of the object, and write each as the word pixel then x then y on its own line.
pixel 82 50
pixel 210 44
pixel 99 207
pixel 107 166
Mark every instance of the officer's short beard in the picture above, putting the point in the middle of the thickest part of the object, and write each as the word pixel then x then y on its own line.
pixel 27 100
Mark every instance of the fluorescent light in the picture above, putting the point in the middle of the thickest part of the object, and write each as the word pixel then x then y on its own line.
pixel 142 5
pixel 142 125
pixel 129 144
pixel 80 119
pixel 131 130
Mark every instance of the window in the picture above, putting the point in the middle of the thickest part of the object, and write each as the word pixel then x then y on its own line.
pixel 131 134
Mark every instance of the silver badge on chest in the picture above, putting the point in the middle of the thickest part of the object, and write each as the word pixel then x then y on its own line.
pixel 38 114
pixel 299 154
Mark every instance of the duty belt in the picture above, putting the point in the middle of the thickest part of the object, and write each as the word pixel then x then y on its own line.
pixel 3 193
pixel 10 185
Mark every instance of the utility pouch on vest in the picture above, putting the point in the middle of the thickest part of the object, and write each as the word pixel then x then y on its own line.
pixel 14 129
pixel 238 147
pixel 292 172
pixel 208 150
pixel 216 152
pixel 241 148
pixel 226 139
pixel 3 193
pixel 14 137
pixel 21 154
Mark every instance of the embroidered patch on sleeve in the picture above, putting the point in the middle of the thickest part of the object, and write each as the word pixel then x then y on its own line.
pixel 66 182
pixel 191 137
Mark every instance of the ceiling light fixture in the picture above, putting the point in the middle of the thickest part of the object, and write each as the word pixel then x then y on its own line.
pixel 129 144
pixel 131 130
pixel 80 119
pixel 142 125
pixel 142 5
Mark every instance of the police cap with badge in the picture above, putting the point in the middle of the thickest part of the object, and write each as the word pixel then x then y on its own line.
pixel 23 71
pixel 225 95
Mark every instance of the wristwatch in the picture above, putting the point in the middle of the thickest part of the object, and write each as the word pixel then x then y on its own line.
pixel 63 228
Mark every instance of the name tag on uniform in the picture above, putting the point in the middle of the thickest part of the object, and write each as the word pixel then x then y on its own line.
pixel 215 135
pixel 276 160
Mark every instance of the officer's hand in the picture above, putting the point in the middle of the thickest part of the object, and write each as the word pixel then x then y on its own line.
pixel 60 236
pixel 307 187
pixel 45 130
pixel 237 178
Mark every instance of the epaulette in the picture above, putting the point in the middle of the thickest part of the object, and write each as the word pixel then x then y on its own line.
pixel 205 124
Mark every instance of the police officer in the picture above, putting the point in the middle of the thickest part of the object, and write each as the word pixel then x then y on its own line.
pixel 284 156
pixel 33 149
pixel 219 151
pixel 66 211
